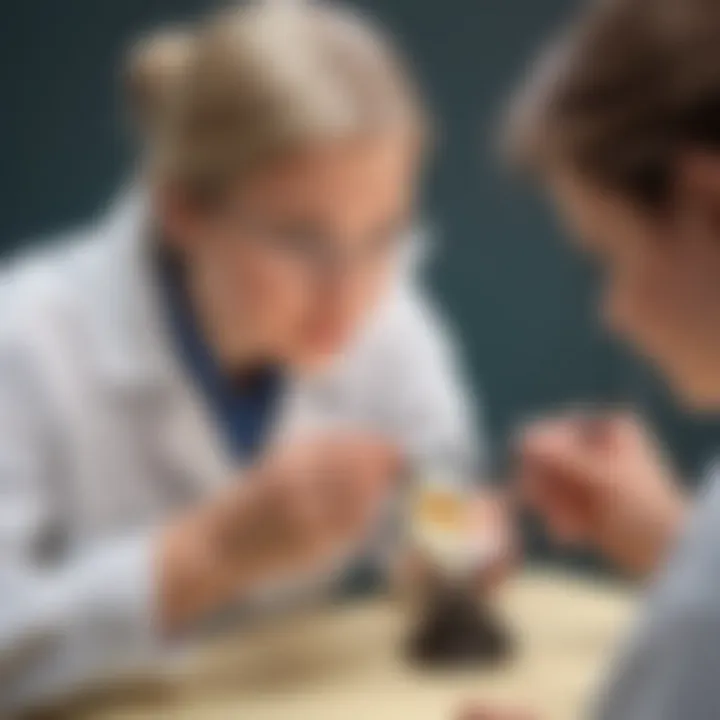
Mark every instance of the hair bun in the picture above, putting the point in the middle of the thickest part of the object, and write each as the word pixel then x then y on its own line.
pixel 154 70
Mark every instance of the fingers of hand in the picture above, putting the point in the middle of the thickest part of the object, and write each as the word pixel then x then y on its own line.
pixel 559 448
pixel 563 475
pixel 492 528
pixel 331 488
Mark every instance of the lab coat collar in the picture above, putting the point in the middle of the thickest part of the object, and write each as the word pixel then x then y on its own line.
pixel 137 359
pixel 135 346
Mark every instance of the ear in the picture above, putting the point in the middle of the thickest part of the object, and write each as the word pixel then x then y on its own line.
pixel 701 170
pixel 698 178
pixel 697 190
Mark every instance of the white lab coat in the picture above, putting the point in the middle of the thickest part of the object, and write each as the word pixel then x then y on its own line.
pixel 102 438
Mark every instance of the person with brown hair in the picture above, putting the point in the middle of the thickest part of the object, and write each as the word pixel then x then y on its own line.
pixel 207 397
pixel 621 123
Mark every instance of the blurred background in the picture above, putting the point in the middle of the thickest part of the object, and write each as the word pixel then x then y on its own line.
pixel 522 303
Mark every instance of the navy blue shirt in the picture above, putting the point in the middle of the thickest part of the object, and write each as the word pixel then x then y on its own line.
pixel 242 406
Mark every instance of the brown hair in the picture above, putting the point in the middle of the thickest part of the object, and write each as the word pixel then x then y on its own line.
pixel 259 79
pixel 626 88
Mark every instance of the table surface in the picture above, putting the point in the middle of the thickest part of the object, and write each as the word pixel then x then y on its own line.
pixel 346 663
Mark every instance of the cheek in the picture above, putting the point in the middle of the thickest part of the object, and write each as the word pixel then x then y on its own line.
pixel 271 293
pixel 639 306
pixel 654 308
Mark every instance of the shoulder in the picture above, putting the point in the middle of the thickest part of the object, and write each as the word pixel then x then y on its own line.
pixel 43 290
pixel 407 357
pixel 689 584
pixel 409 329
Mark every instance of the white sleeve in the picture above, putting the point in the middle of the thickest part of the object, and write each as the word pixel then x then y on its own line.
pixel 430 407
pixel 66 620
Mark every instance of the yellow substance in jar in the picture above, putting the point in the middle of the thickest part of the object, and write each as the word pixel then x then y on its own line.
pixel 444 525
pixel 440 510
pixel 439 522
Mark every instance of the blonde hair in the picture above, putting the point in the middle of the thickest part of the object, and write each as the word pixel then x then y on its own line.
pixel 259 79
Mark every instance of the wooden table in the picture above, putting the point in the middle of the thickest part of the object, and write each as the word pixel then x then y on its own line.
pixel 345 663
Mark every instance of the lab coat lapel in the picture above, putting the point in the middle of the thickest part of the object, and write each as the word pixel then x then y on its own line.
pixel 140 365
pixel 190 451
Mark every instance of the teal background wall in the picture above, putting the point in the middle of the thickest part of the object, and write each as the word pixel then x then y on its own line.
pixel 524 304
